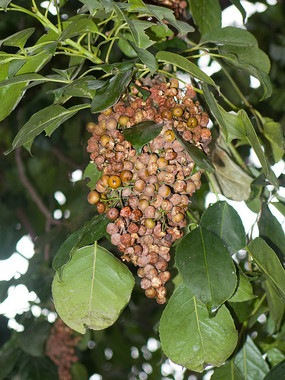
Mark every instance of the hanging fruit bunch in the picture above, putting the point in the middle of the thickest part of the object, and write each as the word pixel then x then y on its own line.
pixel 145 189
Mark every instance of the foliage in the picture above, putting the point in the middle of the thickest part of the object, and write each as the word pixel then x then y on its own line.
pixel 59 67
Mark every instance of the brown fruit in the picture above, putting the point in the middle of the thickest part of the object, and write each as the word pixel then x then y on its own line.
pixel 192 122
pixel 114 181
pixel 93 197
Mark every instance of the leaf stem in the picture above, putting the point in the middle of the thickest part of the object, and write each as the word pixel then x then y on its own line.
pixel 212 185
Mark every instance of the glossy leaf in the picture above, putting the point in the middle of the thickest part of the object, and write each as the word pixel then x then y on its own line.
pixel 201 160
pixel 92 231
pixel 110 93
pixel 214 108
pixel 276 306
pixel 79 26
pixel 271 231
pixel 47 119
pixel 142 133
pixel 244 290
pixel 25 78
pixel 206 14
pixel 192 339
pixel 253 140
pixel 18 39
pixel 81 87
pixel 93 174
pixel 229 371
pixel 206 267
pixel 94 289
pixel 269 264
pixel 184 64
pixel 230 35
pixel 229 179
pixel 250 362
pixel 223 220
pixel 277 372
pixel 275 356
pixel 92 5
pixel 146 57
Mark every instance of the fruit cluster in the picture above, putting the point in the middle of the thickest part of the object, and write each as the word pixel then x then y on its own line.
pixel 60 348
pixel 146 196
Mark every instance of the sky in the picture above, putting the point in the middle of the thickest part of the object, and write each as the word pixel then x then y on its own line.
pixel 19 296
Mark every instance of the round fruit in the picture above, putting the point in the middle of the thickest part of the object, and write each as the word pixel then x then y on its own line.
pixel 114 181
pixel 93 197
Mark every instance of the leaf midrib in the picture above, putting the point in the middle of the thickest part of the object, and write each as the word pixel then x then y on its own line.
pixel 93 277
pixel 206 265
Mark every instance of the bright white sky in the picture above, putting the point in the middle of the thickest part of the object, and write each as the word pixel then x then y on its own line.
pixel 19 297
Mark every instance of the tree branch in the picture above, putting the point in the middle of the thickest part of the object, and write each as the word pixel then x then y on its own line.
pixel 34 195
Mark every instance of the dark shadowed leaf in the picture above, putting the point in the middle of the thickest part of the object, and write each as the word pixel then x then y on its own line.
pixel 79 372
pixel 33 368
pixel 229 179
pixel 206 14
pixel 18 39
pixel 250 362
pixel 254 142
pixel 223 219
pixel 140 134
pixel 234 125
pixel 201 160
pixel 32 340
pixel 21 79
pixel 206 267
pixel 92 231
pixel 94 289
pixel 277 372
pixel 229 371
pixel 192 339
pixel 271 231
pixel 184 64
pixel 230 35
pixel 269 264
pixel 92 5
pixel 93 174
pixel 8 360
pixel 79 26
pixel 110 93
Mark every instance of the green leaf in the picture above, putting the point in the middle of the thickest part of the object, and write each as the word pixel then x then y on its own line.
pixel 230 35
pixel 79 26
pixel 81 87
pixel 140 134
pixel 4 4
pixel 274 134
pixel 206 267
pixel 92 5
pixel 229 371
pixel 48 118
pixel 239 6
pixel 8 360
pixel 244 290
pixel 32 340
pixel 250 362
pixel 206 14
pixel 79 372
pixel 269 264
pixel 146 57
pixel 115 67
pixel 93 174
pixel 214 108
pixel 18 39
pixel 110 93
pixel 275 356
pixel 201 160
pixel 223 220
pixel 254 142
pixel 92 231
pixel 271 231
pixel 184 64
pixel 95 287
pixel 192 339
pixel 234 125
pixel 33 368
pixel 229 179
pixel 25 78
pixel 277 372
pixel 276 306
